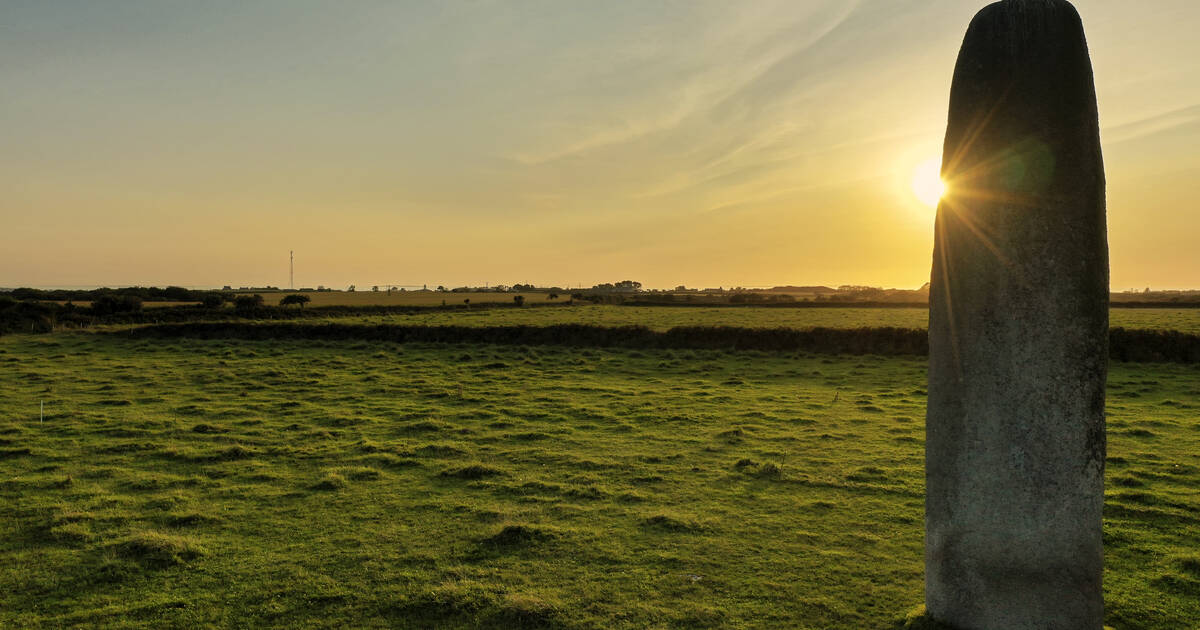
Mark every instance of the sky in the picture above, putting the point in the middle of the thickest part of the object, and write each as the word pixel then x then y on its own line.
pixel 701 142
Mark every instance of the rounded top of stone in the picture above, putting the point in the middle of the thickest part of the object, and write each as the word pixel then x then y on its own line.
pixel 1029 8
pixel 1023 76
pixel 1035 4
pixel 1029 29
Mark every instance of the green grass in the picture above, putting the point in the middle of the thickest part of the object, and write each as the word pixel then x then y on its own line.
pixel 344 484
pixel 664 318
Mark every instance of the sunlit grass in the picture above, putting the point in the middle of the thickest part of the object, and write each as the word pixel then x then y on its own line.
pixel 344 484
pixel 664 318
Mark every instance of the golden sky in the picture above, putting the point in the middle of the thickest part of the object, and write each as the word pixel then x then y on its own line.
pixel 703 143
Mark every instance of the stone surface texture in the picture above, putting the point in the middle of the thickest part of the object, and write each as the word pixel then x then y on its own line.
pixel 1018 326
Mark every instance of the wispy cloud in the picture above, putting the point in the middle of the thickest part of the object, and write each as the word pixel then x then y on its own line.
pixel 1151 125
pixel 738 77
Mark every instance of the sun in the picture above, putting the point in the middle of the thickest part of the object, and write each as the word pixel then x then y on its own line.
pixel 927 182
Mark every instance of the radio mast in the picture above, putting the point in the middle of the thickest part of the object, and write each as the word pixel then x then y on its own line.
pixel 291 270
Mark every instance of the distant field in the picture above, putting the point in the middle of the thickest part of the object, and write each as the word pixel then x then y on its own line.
pixel 663 318
pixel 345 484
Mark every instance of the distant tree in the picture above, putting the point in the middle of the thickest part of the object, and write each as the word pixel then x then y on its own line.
pixel 467 301
pixel 375 288
pixel 519 300
pixel 247 302
pixel 177 294
pixel 350 289
pixel 552 296
pixel 441 288
pixel 212 300
pixel 628 285
pixel 296 299
pixel 112 304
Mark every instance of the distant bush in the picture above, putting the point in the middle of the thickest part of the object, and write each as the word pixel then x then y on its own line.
pixel 178 294
pixel 600 298
pixel 147 294
pixel 212 300
pixel 247 302
pixel 25 316
pixel 112 304
pixel 295 299
pixel 519 300
pixel 1153 346
pixel 888 341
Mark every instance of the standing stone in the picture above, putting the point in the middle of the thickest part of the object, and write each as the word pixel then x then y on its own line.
pixel 1018 332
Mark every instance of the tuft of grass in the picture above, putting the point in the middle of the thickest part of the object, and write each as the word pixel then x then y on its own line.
pixel 1190 565
pixel 472 472
pixel 387 460
pixel 732 435
pixel 518 535
pixel 72 533
pixel 189 519
pixel 1177 585
pixel 361 473
pixel 471 603
pixel 158 550
pixel 421 427
pixel 331 481
pixel 439 450
pixel 671 523
pixel 233 453
pixel 770 470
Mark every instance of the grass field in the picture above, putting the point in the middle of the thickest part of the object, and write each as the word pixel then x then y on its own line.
pixel 665 317
pixel 341 484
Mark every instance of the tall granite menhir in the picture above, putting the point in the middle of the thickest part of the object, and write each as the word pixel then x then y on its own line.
pixel 1018 329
